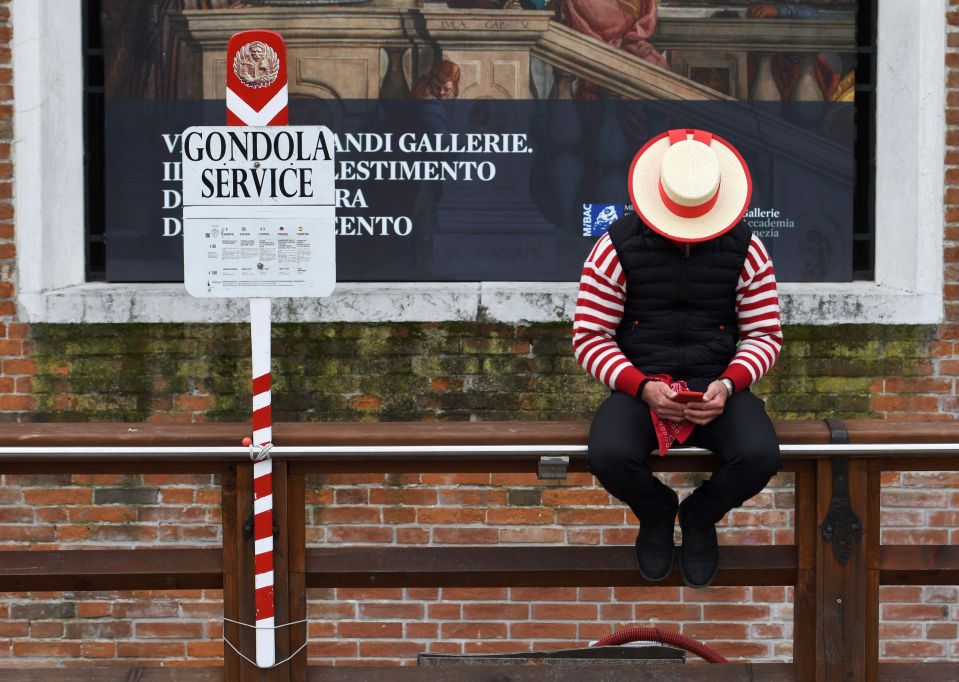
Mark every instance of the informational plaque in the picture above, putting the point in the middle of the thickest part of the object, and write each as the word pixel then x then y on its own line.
pixel 258 211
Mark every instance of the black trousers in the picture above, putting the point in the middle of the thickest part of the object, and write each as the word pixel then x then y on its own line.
pixel 621 437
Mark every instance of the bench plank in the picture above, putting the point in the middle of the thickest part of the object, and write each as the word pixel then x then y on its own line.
pixel 362 433
pixel 115 674
pixel 96 569
pixel 524 566
pixel 594 672
pixel 919 564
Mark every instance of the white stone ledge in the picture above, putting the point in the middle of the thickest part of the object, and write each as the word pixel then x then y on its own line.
pixel 507 302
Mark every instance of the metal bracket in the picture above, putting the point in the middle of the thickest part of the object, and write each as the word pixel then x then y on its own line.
pixel 841 525
pixel 552 468
pixel 837 432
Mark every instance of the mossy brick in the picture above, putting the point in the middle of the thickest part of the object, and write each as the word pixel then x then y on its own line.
pixel 156 361
pixel 459 328
pixel 828 366
pixel 564 383
pixel 796 349
pixel 442 365
pixel 47 413
pixel 478 401
pixel 811 384
pixel 567 365
pixel 449 415
pixel 393 384
pixel 334 383
pixel 380 365
pixel 386 340
pixel 550 346
pixel 835 348
pixel 126 496
pixel 490 383
pixel 193 368
pixel 539 401
pixel 400 413
pixel 221 384
pixel 438 341
pixel 504 365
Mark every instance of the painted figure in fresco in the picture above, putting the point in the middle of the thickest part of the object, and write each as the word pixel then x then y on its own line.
pixel 836 83
pixel 442 81
pixel 144 57
pixel 622 23
pixel 794 9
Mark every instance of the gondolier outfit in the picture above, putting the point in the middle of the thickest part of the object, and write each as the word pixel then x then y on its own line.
pixel 680 295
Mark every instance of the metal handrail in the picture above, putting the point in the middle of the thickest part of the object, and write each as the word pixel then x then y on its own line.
pixel 412 452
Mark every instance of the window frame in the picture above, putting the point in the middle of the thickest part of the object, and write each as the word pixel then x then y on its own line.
pixel 49 205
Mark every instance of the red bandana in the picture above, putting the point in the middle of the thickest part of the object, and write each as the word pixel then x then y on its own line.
pixel 668 432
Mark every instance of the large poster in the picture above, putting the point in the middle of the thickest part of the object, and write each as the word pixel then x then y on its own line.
pixel 491 139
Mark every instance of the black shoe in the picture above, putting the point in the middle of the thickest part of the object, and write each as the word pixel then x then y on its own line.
pixel 654 544
pixel 699 555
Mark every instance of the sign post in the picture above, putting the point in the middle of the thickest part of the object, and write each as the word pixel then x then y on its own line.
pixel 258 222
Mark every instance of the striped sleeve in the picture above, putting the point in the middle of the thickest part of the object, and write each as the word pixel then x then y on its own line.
pixel 599 310
pixel 757 312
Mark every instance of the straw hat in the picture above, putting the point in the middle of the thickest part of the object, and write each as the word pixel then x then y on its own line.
pixel 689 185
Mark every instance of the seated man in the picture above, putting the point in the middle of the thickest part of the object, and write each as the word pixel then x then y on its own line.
pixel 680 295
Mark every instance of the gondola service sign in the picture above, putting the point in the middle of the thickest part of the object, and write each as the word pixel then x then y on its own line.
pixel 258 223
pixel 258 216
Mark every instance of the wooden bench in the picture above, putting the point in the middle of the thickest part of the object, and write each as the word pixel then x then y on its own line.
pixel 836 580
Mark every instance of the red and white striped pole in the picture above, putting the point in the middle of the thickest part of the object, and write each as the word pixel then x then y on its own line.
pixel 262 484
pixel 256 95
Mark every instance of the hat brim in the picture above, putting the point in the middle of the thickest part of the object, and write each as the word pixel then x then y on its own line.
pixel 735 191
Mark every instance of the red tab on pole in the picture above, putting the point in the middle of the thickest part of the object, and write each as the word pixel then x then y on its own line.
pixel 256 80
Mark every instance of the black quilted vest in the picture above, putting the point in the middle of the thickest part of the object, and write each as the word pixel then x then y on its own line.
pixel 680 310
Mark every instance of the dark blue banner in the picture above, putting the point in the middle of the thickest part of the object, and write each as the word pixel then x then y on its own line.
pixel 515 190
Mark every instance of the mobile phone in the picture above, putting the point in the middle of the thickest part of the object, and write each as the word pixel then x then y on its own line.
pixel 689 396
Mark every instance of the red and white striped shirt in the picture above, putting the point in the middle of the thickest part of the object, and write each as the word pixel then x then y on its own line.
pixel 599 310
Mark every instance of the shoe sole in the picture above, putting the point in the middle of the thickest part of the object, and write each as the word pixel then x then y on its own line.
pixel 689 583
pixel 656 580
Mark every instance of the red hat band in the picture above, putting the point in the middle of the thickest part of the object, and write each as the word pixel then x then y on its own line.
pixel 685 210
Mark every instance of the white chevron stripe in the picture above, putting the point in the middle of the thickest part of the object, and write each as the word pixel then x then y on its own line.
pixel 263 504
pixel 261 400
pixel 249 115
pixel 263 467
pixel 263 436
pixel 263 545
pixel 262 580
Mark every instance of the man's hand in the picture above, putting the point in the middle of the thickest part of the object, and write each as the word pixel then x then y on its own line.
pixel 712 405
pixel 659 396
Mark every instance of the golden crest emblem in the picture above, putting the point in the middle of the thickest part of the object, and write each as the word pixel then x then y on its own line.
pixel 256 65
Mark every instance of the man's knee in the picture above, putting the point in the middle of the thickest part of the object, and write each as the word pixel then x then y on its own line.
pixel 759 460
pixel 609 459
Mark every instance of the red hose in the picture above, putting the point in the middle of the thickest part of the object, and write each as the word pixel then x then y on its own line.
pixel 649 634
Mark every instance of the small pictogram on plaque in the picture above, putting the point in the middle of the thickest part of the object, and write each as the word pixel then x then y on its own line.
pixel 256 64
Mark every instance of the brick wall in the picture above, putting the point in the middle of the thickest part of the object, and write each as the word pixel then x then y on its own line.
pixel 16 368
pixel 423 372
